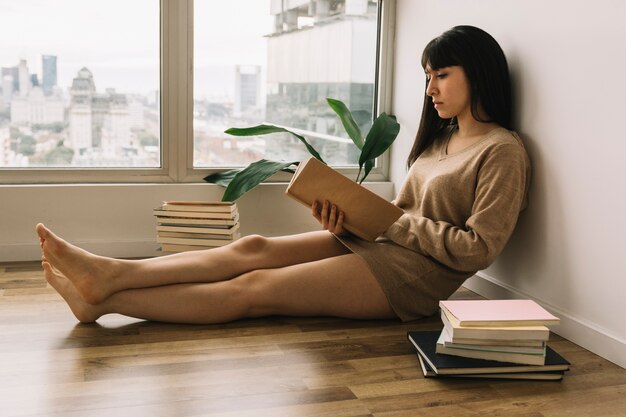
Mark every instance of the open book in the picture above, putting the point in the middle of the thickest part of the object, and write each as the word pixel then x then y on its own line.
pixel 366 214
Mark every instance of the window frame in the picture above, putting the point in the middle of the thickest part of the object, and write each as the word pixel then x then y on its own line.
pixel 176 84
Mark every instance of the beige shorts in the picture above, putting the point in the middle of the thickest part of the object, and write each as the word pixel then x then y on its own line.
pixel 412 282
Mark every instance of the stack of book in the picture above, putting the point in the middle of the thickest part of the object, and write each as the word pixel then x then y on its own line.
pixel 490 338
pixel 193 225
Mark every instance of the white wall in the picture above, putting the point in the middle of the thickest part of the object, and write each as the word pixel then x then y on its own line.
pixel 567 59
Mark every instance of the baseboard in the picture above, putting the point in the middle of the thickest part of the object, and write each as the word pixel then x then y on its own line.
pixel 118 249
pixel 575 329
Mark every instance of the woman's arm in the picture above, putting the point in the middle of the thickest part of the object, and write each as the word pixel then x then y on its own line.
pixel 499 197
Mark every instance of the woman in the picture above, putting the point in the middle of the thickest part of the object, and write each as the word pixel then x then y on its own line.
pixel 466 184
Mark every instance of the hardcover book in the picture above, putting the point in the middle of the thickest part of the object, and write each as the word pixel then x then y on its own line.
pixel 193 242
pixel 425 342
pixel 191 222
pixel 173 248
pixel 535 358
pixel 517 333
pixel 366 214
pixel 498 313
pixel 192 214
pixel 184 235
pixel 541 376
pixel 202 206
pixel 512 346
pixel 199 229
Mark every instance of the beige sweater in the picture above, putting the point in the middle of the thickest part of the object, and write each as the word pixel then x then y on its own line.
pixel 461 209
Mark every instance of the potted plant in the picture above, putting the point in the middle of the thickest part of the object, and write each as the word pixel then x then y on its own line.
pixel 381 135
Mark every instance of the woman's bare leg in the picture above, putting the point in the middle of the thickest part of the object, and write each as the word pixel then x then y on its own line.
pixel 97 277
pixel 341 286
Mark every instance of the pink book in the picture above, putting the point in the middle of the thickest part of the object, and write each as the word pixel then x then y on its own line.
pixel 498 312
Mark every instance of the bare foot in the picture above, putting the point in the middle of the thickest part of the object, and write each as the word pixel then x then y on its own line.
pixel 84 312
pixel 91 275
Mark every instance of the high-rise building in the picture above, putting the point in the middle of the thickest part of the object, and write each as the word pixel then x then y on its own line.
pixel 247 89
pixel 7 88
pixel 14 74
pixel 24 78
pixel 320 49
pixel 30 106
pixel 36 108
pixel 34 80
pixel 80 116
pixel 48 73
pixel 99 124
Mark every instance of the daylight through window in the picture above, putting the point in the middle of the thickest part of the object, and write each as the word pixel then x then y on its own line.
pixel 79 84
pixel 277 61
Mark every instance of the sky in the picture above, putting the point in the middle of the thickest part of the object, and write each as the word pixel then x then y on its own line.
pixel 118 39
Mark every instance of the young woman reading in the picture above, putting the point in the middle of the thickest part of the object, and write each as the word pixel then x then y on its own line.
pixel 467 182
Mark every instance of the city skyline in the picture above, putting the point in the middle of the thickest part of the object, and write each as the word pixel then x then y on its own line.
pixel 77 127
pixel 122 80
pixel 211 81
pixel 288 86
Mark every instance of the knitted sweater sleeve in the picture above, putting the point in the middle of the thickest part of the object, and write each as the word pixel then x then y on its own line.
pixel 499 197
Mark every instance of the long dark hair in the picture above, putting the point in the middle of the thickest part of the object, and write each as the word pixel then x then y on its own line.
pixel 487 72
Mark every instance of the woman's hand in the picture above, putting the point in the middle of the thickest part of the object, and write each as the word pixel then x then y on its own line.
pixel 329 216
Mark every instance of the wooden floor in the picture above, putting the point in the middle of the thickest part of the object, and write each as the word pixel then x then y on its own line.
pixel 52 366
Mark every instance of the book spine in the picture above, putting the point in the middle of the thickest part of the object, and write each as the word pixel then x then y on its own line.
pixel 199 229
pixel 179 221
pixel 198 242
pixel 519 358
pixel 184 235
pixel 494 333
pixel 198 208
pixel 193 214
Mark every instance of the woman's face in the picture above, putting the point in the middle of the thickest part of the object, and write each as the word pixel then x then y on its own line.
pixel 450 91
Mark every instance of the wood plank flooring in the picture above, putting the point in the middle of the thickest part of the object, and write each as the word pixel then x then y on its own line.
pixel 52 366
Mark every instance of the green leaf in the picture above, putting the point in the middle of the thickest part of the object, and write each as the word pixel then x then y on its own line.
pixel 349 124
pixel 369 164
pixel 222 178
pixel 251 176
pixel 253 130
pixel 380 137
pixel 265 129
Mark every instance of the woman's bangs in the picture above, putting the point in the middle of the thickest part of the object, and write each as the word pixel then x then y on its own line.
pixel 438 54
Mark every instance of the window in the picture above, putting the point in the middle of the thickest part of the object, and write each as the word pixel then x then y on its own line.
pixel 79 84
pixel 273 61
pixel 89 94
